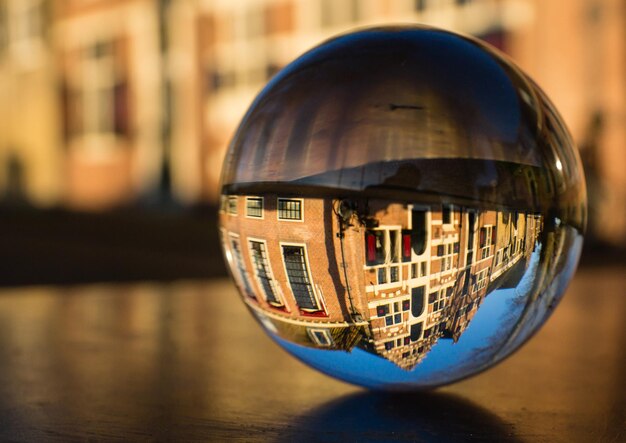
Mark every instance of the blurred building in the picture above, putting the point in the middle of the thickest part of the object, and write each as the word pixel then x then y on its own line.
pixel 30 149
pixel 107 103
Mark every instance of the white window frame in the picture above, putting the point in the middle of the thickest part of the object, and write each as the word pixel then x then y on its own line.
pixel 255 197
pixel 230 199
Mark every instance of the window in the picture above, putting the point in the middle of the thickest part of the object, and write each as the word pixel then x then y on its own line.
pixel 375 247
pixel 289 209
pixel 418 231
pixel 263 271
pixel 417 301
pixel 392 318
pixel 232 205
pixel 389 345
pixel 471 218
pixel 254 207
pixel 486 239
pixel 320 337
pixel 481 279
pixel 432 297
pixel 445 252
pixel 406 246
pixel 418 270
pixel 382 246
pixel 382 276
pixel 242 274
pixel 298 274
pixel 96 91
pixel 394 274
pixel 446 214
pixel 406 305
pixel 416 331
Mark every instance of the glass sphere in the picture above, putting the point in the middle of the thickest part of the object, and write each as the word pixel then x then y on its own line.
pixel 402 207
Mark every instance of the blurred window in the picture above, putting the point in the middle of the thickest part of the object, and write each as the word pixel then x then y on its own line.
pixel 416 332
pixel 254 207
pixel 241 273
pixel 417 301
pixel 446 214
pixel 298 275
pixel 321 337
pixel 95 91
pixel 420 5
pixel 263 272
pixel 279 18
pixel 232 205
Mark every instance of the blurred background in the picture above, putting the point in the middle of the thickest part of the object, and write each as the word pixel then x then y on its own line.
pixel 115 116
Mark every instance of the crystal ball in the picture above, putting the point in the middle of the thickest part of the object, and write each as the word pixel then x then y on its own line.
pixel 401 207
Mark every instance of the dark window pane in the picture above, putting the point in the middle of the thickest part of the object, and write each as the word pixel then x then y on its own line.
pixel 432 297
pixel 418 234
pixel 417 301
pixel 382 310
pixel 416 331
pixel 382 276
pixel 446 213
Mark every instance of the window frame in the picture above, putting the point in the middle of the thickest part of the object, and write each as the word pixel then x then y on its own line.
pixel 315 339
pixel 300 200
pixel 247 212
pixel 280 302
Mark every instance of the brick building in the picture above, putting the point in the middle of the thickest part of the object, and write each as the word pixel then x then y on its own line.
pixel 389 277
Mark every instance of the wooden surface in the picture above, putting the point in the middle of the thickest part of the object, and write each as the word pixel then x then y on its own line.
pixel 185 361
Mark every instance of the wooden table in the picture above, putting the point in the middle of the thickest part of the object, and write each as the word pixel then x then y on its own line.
pixel 185 361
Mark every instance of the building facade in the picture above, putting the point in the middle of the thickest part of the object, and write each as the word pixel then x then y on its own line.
pixel 388 277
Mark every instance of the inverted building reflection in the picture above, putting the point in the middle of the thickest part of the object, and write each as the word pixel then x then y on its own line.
pixel 390 277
